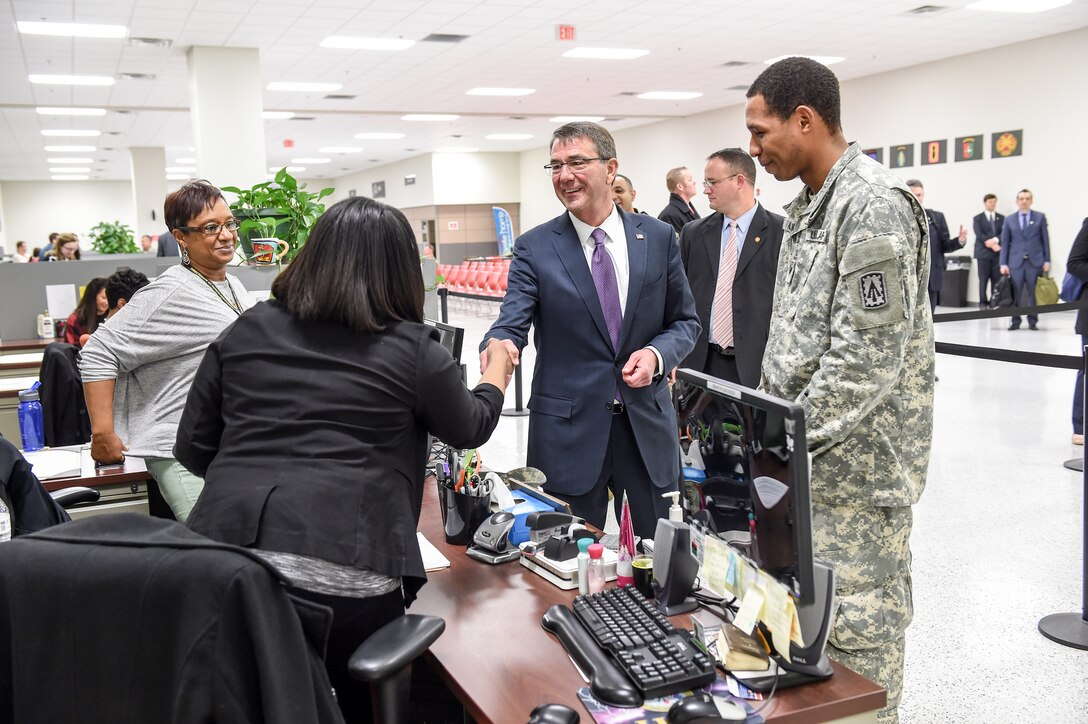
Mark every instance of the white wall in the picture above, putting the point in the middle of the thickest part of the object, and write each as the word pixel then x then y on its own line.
pixel 956 97
pixel 396 193
pixel 34 209
pixel 476 178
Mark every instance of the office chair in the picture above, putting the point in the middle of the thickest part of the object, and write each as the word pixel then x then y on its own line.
pixel 64 410
pixel 137 619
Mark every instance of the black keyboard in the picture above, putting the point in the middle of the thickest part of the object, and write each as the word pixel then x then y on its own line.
pixel 657 657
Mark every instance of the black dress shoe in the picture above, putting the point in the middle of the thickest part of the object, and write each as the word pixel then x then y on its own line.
pixel 1032 327
pixel 1014 327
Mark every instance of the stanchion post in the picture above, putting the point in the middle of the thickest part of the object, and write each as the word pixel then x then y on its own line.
pixel 1071 629
pixel 443 303
pixel 517 410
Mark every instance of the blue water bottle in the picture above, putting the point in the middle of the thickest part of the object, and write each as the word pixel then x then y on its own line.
pixel 31 425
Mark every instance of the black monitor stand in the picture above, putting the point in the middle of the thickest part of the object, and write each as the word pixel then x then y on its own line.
pixel 810 663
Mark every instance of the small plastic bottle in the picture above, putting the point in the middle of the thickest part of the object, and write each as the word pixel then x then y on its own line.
pixel 583 565
pixel 596 568
pixel 31 424
pixel 5 522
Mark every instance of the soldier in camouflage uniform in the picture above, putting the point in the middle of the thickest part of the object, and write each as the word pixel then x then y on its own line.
pixel 851 341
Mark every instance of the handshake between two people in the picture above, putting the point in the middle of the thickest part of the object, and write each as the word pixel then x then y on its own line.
pixel 638 371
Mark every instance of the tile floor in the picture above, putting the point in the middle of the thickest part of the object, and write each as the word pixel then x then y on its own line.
pixel 998 533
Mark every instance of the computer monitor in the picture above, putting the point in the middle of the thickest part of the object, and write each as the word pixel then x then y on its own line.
pixel 756 491
pixel 452 338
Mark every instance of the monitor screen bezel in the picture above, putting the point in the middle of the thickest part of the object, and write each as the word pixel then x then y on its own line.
pixel 457 332
pixel 800 474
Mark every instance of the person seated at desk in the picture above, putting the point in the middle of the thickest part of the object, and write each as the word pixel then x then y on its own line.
pixel 308 421
pixel 137 368
pixel 88 314
pixel 67 249
pixel 120 286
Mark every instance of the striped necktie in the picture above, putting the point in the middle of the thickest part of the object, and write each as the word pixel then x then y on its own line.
pixel 722 328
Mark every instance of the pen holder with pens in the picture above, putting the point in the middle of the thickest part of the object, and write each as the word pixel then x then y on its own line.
pixel 465 500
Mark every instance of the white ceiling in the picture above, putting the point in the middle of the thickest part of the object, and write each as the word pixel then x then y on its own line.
pixel 511 43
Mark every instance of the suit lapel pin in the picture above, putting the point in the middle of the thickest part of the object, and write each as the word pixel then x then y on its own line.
pixel 639 236
pixel 757 239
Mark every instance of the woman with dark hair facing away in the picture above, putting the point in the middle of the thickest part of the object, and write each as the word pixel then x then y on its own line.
pixel 89 313
pixel 137 368
pixel 308 420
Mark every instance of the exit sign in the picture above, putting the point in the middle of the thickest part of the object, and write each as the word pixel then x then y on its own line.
pixel 564 32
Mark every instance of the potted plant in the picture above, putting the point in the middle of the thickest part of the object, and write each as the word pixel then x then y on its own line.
pixel 115 238
pixel 280 209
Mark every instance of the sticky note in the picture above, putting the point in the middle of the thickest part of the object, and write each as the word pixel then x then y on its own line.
pixel 715 564
pixel 795 625
pixel 731 574
pixel 750 606
pixel 776 616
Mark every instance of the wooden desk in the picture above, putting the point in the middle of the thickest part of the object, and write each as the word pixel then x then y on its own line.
pixel 21 345
pixel 20 364
pixel 501 664
pixel 9 404
pixel 123 488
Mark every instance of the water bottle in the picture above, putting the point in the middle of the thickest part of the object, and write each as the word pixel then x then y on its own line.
pixel 31 425
pixel 5 522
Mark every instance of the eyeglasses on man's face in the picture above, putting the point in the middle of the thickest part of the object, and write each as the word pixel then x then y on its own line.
pixel 709 183
pixel 212 229
pixel 575 165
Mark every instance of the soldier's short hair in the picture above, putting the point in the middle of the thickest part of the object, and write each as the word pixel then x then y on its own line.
pixel 987 197
pixel 914 183
pixel 738 160
pixel 599 135
pixel 797 81
pixel 674 177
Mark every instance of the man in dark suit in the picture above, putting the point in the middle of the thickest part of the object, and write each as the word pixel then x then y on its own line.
pixel 168 245
pixel 1025 253
pixel 988 249
pixel 606 295
pixel 939 242
pixel 682 190
pixel 731 259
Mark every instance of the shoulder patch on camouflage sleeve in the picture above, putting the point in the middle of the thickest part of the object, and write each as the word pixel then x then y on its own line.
pixel 873 292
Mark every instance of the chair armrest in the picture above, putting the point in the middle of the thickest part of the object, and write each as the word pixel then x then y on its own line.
pixel 394 646
pixel 67 497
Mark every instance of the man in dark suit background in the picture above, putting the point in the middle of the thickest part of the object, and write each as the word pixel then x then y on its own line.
pixel 733 294
pixel 168 245
pixel 988 248
pixel 1025 253
pixel 682 190
pixel 939 242
pixel 606 295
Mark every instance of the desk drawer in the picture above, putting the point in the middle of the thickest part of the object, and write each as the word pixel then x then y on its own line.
pixel 133 505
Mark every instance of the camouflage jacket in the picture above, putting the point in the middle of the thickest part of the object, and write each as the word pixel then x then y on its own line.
pixel 851 336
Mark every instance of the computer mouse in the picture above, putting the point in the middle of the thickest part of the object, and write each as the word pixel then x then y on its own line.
pixel 704 709
pixel 553 714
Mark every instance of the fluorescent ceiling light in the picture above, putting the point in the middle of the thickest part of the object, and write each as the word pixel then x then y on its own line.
pixel 1018 6
pixel 68 149
pixel 378 136
pixel 71 133
pixel 71 111
pixel 509 137
pixel 349 42
pixel 457 149
pixel 606 53
pixel 500 91
pixel 302 161
pixel 822 59
pixel 277 115
pixel 289 169
pixel 575 119
pixel 177 177
pixel 72 30
pixel 340 149
pixel 69 169
pixel 69 177
pixel 69 159
pixel 293 86
pixel 669 95
pixel 185 161
pixel 180 169
pixel 70 79
pixel 429 117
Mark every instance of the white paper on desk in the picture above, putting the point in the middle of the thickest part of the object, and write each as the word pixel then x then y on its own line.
pixel 46 464
pixel 60 300
pixel 433 560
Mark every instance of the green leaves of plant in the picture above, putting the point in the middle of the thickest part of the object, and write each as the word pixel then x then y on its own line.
pixel 115 238
pixel 281 208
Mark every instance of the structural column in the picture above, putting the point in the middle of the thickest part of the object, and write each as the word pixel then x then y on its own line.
pixel 226 94
pixel 148 188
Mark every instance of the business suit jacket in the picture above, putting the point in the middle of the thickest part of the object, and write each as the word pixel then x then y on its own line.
pixel 939 245
pixel 678 212
pixel 168 245
pixel 1033 242
pixel 577 371
pixel 753 286
pixel 312 438
pixel 1077 265
pixel 984 230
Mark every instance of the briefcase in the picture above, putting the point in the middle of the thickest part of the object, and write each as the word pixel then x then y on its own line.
pixel 1002 296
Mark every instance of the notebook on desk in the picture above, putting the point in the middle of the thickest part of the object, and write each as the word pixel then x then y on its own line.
pixel 433 560
pixel 53 464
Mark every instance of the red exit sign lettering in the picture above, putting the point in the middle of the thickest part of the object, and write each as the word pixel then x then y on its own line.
pixel 564 32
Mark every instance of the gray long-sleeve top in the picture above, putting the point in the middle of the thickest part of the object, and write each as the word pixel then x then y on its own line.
pixel 152 347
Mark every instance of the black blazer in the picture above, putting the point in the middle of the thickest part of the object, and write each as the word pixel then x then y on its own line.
pixel 1077 265
pixel 312 439
pixel 983 231
pixel 31 508
pixel 678 212
pixel 753 286
pixel 939 245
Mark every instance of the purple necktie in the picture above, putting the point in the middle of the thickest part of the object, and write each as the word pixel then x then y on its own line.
pixel 604 278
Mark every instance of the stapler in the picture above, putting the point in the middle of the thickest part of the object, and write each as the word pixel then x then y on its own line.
pixel 491 542
pixel 547 523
